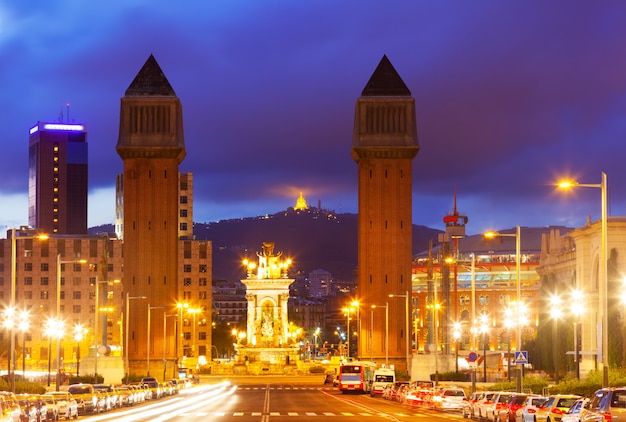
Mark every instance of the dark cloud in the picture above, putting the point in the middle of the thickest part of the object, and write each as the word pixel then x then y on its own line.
pixel 509 97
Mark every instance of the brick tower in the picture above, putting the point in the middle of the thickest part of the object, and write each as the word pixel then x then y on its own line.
pixel 384 144
pixel 151 144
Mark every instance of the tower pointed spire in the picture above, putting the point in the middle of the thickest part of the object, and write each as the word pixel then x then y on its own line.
pixel 150 81
pixel 385 82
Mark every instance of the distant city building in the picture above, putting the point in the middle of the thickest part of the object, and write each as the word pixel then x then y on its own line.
pixel 230 303
pixel 320 283
pixel 57 178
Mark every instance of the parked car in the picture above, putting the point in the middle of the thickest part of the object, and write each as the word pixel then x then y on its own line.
pixel 449 399
pixel 28 409
pixel 52 410
pixel 68 408
pixel 86 398
pixel 574 412
pixel 606 404
pixel 126 395
pixel 516 402
pixel 499 404
pixel 470 402
pixel 9 407
pixel 552 410
pixel 527 412
pixel 153 385
pixel 482 405
pixel 110 394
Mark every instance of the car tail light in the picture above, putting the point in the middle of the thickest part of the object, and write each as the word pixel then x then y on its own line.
pixel 608 417
pixel 531 411
pixel 557 411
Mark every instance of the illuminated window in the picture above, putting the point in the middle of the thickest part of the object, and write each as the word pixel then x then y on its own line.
pixel 43 295
pixel 55 148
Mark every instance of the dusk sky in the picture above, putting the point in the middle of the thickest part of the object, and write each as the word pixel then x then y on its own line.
pixel 510 96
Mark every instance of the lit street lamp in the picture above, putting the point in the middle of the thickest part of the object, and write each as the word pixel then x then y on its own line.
pixel 603 281
pixel 53 328
pixel 518 339
pixel 127 310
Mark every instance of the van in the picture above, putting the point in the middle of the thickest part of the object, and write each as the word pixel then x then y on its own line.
pixel 381 379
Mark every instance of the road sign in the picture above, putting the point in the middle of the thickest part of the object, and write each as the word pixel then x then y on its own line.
pixel 521 357
pixel 472 357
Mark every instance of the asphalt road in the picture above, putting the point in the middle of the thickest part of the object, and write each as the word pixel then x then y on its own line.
pixel 269 398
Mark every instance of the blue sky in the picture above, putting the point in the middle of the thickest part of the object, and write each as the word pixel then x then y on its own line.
pixel 510 96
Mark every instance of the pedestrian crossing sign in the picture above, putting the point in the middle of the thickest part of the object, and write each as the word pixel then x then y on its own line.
pixel 521 357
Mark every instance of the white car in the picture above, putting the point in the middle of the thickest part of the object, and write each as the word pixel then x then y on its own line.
pixel 67 405
pixel 528 411
pixel 449 399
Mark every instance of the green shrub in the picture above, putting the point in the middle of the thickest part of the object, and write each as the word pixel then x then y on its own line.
pixel 317 369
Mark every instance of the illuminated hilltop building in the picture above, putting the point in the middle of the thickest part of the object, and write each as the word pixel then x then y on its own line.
pixel 57 178
pixel 301 203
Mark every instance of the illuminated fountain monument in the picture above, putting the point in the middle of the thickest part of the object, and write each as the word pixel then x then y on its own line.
pixel 268 346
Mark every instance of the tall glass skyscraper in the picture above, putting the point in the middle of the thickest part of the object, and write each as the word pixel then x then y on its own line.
pixel 57 178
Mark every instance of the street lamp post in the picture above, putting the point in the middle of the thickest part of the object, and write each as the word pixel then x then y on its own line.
pixel 386 306
pixel 150 308
pixel 58 314
pixel 603 296
pixel 23 325
pixel 11 353
pixel 577 310
pixel 126 328
pixel 165 316
pixel 95 324
pixel 347 310
pixel 518 292
pixel 483 329
pixel 456 333
pixel 79 333
pixel 407 329
pixel 555 313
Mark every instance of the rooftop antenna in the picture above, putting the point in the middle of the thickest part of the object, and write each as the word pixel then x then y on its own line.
pixel 68 112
